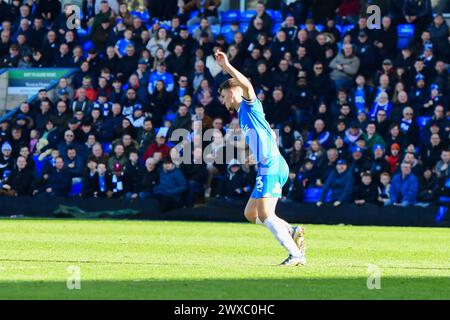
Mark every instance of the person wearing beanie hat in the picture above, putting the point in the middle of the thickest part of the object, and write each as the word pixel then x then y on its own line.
pixel 6 155
pixel 393 158
pixel 359 162
pixel 379 163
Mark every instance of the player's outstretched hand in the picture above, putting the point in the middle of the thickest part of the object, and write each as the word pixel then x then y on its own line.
pixel 221 58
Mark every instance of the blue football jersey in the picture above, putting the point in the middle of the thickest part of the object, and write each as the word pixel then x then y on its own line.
pixel 259 135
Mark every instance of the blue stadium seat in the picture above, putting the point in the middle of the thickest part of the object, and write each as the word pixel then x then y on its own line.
pixel 247 15
pixel 106 147
pixel 76 189
pixel 227 32
pixel 193 14
pixel 225 28
pixel 405 30
pixel 275 14
pixel 135 13
pixel 339 28
pixel 145 16
pixel 313 195
pixel 319 27
pixel 192 28
pixel 82 32
pixel 165 26
pixel 38 164
pixel 170 116
pixel 230 15
pixel 346 28
pixel 405 35
pixel 276 27
pixel 87 45
pixel 215 29
pixel 422 121
pixel 244 26
pixel 447 183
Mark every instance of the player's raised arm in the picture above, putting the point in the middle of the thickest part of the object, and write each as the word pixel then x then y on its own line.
pixel 222 60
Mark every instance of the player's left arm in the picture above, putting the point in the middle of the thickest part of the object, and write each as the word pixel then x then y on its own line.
pixel 244 83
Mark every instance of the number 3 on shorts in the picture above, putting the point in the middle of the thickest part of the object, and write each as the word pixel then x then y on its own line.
pixel 259 184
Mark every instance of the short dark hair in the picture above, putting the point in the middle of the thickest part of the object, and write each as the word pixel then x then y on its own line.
pixel 228 84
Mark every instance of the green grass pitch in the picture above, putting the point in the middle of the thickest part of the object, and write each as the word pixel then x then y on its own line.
pixel 189 260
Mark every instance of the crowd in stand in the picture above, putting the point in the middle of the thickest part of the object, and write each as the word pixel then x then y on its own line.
pixel 358 118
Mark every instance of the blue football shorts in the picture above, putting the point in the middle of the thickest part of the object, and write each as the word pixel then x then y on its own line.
pixel 271 177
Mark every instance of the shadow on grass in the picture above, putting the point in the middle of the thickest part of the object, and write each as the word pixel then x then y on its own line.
pixel 293 288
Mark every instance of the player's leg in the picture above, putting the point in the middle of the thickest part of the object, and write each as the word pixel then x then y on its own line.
pixel 251 214
pixel 251 211
pixel 266 213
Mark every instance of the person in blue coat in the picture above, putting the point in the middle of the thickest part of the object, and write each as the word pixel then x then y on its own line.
pixel 404 187
pixel 58 182
pixel 171 187
pixel 340 183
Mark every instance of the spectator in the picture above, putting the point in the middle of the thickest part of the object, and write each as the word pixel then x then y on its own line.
pixel 372 137
pixel 74 163
pixel 18 182
pixel 90 179
pixel 182 119
pixel 196 176
pixel 442 168
pixel 344 67
pixel 366 191
pixel 149 179
pixel 206 9
pixel 381 103
pixel 266 19
pixel 160 75
pixel 408 126
pixel 329 165
pixel 118 156
pixel 132 175
pixel 340 184
pixel 171 187
pixel 428 188
pixel 404 187
pixel 158 146
pixel 384 189
pixel 57 184
pixel 235 184
pixel 103 183
pixel 6 159
pixel 293 189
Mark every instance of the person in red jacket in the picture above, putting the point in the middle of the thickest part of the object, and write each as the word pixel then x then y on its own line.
pixel 393 158
pixel 158 146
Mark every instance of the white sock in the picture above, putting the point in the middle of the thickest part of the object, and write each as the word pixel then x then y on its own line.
pixel 286 224
pixel 278 228
pixel 258 221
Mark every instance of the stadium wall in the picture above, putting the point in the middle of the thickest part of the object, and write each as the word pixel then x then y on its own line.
pixel 221 210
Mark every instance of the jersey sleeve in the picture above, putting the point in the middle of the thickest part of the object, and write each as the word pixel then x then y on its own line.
pixel 254 104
